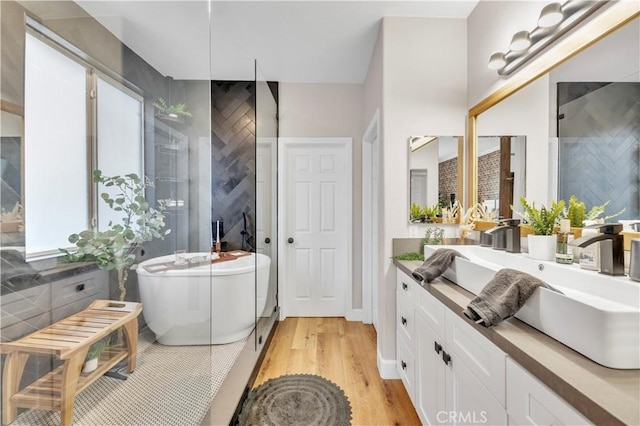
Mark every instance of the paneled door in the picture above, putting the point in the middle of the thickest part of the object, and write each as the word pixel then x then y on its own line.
pixel 316 226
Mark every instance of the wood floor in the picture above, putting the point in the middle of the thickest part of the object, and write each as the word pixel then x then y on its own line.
pixel 345 353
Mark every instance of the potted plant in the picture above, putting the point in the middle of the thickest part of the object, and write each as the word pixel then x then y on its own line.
pixel 177 112
pixel 115 247
pixel 415 213
pixel 542 243
pixel 576 212
pixel 93 355
pixel 429 213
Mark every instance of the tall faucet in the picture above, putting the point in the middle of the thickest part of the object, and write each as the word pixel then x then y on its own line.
pixel 510 226
pixel 611 247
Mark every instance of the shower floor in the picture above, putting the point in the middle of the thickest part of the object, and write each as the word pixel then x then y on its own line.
pixel 172 385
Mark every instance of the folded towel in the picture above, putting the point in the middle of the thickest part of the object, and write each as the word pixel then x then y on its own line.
pixel 436 264
pixel 503 296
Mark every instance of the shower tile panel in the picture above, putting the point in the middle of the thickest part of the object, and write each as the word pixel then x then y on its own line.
pixel 233 154
pixel 599 145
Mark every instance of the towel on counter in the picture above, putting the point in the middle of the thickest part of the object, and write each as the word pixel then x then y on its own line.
pixel 436 264
pixel 503 296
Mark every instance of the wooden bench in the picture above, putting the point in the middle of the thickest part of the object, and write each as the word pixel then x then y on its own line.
pixel 68 340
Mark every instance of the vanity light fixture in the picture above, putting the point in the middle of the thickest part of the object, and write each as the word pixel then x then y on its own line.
pixel 520 41
pixel 550 16
pixel 555 20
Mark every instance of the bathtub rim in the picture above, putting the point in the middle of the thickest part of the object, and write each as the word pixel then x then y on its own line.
pixel 248 264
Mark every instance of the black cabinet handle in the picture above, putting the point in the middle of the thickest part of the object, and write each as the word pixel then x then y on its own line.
pixel 446 357
pixel 437 347
pixel 403 364
pixel 403 320
pixel 267 240
pixel 290 240
pixel 80 287
pixel 404 286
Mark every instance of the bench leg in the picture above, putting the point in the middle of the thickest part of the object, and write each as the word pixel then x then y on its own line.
pixel 131 336
pixel 13 369
pixel 70 376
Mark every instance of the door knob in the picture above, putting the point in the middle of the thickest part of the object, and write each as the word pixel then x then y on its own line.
pixel 267 240
pixel 437 346
pixel 290 240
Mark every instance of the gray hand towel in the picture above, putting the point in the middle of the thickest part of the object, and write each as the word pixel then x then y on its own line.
pixel 503 296
pixel 436 264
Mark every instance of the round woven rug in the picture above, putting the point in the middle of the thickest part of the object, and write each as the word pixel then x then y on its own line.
pixel 297 399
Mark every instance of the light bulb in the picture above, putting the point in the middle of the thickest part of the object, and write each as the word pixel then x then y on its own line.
pixel 520 41
pixel 550 16
pixel 497 61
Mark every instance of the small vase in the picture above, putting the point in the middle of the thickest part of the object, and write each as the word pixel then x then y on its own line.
pixel 542 247
pixel 90 365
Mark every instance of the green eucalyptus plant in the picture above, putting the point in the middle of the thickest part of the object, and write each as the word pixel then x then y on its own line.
pixel 115 247
pixel 541 220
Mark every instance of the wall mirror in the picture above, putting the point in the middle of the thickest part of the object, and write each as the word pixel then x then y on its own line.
pixel 435 171
pixel 589 146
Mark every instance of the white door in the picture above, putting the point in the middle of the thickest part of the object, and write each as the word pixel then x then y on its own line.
pixel 316 226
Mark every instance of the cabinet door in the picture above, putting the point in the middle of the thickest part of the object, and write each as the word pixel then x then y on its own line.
pixel 478 353
pixel 470 402
pixel 430 401
pixel 530 402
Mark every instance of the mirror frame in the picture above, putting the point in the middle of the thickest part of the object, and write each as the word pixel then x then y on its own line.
pixel 604 24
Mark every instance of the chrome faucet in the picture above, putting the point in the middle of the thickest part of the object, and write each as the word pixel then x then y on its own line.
pixel 512 230
pixel 611 247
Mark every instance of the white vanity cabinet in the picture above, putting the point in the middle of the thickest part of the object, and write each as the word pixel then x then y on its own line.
pixel 455 375
pixel 531 402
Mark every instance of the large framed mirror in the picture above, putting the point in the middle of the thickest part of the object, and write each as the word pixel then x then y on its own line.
pixel 11 178
pixel 435 173
pixel 576 76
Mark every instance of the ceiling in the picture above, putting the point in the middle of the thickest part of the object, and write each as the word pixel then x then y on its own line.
pixel 293 41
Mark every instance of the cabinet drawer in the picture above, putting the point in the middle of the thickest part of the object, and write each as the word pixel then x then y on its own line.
pixel 24 304
pixel 432 310
pixel 72 289
pixel 405 364
pixel 406 284
pixel 405 323
pixel 484 359
pixel 531 402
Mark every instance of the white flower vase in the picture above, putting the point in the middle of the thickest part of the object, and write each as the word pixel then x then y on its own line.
pixel 542 247
pixel 90 365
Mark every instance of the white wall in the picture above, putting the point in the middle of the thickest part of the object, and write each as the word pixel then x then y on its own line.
pixel 310 110
pixel 424 93
pixel 427 158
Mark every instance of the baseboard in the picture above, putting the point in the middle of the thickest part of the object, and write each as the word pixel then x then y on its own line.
pixel 354 315
pixel 387 368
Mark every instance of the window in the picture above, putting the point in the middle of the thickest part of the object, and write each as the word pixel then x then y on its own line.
pixel 76 119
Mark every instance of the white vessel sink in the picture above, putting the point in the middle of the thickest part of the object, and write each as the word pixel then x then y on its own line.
pixel 598 315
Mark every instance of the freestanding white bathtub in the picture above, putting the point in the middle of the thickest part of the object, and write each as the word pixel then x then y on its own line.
pixel 206 304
